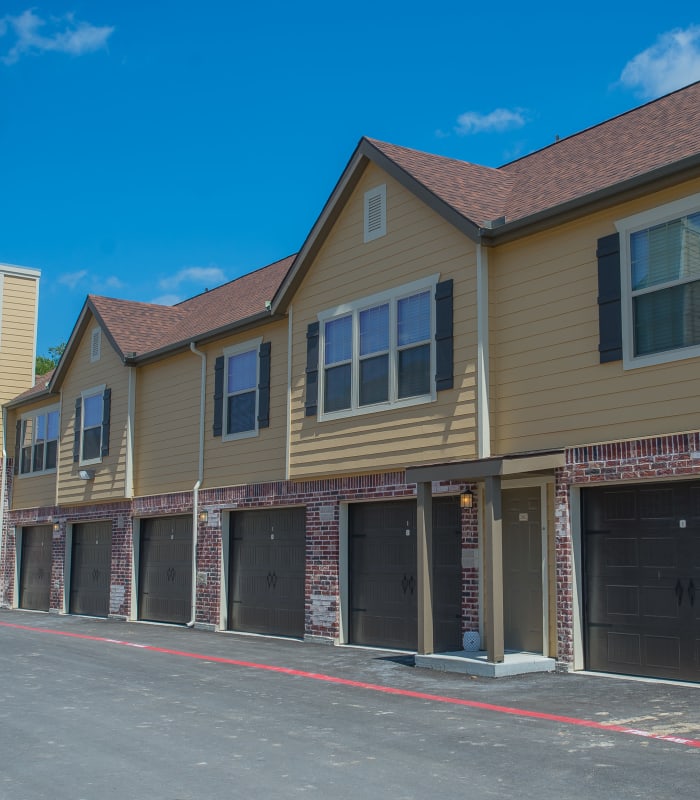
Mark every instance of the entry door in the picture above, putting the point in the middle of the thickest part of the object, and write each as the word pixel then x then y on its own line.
pixel 268 567
pixel 91 569
pixel 35 574
pixel 642 568
pixel 165 571
pixel 522 570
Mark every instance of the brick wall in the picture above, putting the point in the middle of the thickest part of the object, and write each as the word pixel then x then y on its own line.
pixel 7 556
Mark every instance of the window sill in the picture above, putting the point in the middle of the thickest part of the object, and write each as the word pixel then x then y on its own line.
pixel 377 408
pixel 36 474
pixel 234 437
pixel 663 357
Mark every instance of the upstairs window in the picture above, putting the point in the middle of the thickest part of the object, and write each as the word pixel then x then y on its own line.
pixel 39 441
pixel 92 425
pixel 661 278
pixel 378 352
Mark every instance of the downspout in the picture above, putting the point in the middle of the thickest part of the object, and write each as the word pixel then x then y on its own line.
pixel 3 489
pixel 200 478
pixel 483 418
pixel 288 442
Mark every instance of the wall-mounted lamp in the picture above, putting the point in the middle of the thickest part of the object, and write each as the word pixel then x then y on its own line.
pixel 466 500
pixel 203 516
pixel 86 474
pixel 56 525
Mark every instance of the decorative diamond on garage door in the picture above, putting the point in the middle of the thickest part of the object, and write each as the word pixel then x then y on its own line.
pixel 642 579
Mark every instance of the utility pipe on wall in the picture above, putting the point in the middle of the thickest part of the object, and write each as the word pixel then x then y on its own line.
pixel 3 489
pixel 200 478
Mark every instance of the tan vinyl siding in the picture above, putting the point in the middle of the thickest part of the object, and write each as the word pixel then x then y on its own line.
pixel 81 375
pixel 548 388
pixel 17 335
pixel 418 244
pixel 167 425
pixel 30 491
pixel 260 458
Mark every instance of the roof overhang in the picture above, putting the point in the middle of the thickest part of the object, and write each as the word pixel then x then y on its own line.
pixel 478 469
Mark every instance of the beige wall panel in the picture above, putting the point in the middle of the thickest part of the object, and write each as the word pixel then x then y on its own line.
pixel 418 244
pixel 258 458
pixel 17 335
pixel 81 374
pixel 548 388
pixel 167 425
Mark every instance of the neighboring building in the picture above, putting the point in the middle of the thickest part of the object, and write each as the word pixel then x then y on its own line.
pixel 19 298
pixel 524 338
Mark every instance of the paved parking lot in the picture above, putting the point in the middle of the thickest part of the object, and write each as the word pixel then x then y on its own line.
pixel 100 709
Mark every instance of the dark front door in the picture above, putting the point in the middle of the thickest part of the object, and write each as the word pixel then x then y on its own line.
pixel 35 571
pixel 90 569
pixel 522 570
pixel 267 571
pixel 642 566
pixel 383 574
pixel 165 570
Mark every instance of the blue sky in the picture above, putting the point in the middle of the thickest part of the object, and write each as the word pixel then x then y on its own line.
pixel 150 150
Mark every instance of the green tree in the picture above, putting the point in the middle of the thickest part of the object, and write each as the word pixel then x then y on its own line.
pixel 45 364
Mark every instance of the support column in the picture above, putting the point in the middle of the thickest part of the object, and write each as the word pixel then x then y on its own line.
pixel 426 643
pixel 493 569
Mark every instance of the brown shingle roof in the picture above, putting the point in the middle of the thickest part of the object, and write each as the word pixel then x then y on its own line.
pixel 141 328
pixel 632 145
pixel 40 385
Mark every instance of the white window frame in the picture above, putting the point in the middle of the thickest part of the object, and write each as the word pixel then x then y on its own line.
pixel 100 391
pixel 370 195
pixel 95 345
pixel 626 227
pixel 33 415
pixel 354 308
pixel 252 345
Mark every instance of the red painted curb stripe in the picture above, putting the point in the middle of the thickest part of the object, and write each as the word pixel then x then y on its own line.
pixel 435 698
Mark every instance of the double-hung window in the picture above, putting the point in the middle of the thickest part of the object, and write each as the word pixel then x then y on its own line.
pixel 92 425
pixel 241 392
pixel 378 352
pixel 660 253
pixel 39 441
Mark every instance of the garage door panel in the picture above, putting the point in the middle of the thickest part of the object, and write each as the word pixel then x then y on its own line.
pixel 91 569
pixel 267 569
pixel 35 572
pixel 165 572
pixel 640 617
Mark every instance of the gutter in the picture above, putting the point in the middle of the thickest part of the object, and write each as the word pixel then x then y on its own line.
pixel 200 478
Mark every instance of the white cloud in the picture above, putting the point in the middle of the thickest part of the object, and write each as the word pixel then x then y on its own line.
pixel 166 300
pixel 72 279
pixel 500 119
pixel 114 283
pixel 60 35
pixel 671 62
pixel 207 276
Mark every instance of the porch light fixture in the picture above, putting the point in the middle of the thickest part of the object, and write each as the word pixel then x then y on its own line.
pixel 203 516
pixel 56 525
pixel 466 500
pixel 86 474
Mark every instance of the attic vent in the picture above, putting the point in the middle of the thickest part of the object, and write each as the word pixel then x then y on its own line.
pixel 375 213
pixel 95 344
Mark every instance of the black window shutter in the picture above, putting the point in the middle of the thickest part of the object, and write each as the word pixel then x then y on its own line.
pixel 18 446
pixel 76 429
pixel 106 420
pixel 444 347
pixel 609 298
pixel 218 396
pixel 312 342
pixel 264 386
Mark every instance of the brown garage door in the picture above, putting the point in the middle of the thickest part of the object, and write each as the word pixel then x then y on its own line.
pixel 90 569
pixel 165 569
pixel 267 569
pixel 383 588
pixel 35 570
pixel 642 564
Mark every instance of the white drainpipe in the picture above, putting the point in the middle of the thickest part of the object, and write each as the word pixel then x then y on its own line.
pixel 200 478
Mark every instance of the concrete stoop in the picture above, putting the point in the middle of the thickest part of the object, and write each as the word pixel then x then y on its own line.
pixel 477 663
